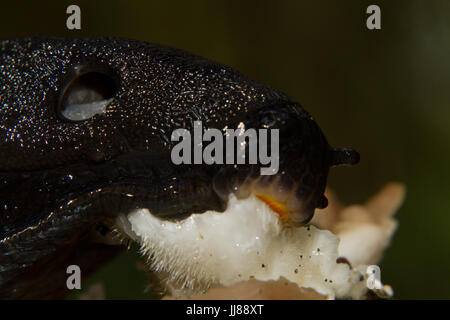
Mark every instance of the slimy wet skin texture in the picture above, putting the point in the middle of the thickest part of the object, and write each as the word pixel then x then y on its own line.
pixel 85 135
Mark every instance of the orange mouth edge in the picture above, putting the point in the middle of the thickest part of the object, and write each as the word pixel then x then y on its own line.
pixel 277 206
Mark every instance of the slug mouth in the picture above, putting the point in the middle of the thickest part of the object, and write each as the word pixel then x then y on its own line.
pixel 297 188
pixel 293 193
pixel 292 200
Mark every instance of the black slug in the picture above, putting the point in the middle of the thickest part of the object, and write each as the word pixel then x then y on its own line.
pixel 85 134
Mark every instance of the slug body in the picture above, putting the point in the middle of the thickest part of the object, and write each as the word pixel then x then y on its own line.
pixel 85 135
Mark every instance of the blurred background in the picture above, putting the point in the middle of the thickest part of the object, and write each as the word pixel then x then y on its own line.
pixel 384 92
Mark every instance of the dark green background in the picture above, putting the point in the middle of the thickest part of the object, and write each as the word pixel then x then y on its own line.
pixel 384 92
